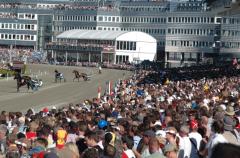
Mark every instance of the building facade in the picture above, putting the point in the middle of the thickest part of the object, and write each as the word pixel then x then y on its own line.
pixel 188 32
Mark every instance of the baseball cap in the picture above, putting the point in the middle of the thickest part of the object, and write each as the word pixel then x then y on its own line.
pixel 193 124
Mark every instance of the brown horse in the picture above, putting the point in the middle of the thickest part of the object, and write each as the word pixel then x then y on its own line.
pixel 79 75
pixel 22 81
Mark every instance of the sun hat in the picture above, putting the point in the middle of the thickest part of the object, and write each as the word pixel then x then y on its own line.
pixel 230 111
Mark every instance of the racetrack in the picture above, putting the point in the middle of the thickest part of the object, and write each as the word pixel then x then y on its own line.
pixel 55 94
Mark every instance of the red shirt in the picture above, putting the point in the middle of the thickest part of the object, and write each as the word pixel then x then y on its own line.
pixel 31 135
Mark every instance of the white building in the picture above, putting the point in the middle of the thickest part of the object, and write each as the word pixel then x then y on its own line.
pixel 104 46
pixel 144 46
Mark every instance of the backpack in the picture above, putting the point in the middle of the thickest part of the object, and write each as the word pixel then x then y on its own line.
pixel 194 152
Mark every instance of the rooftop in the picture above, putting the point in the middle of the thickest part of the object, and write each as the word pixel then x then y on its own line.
pixel 91 34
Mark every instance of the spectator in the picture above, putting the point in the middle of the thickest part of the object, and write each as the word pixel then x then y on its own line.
pixel 31 133
pixel 127 143
pixel 109 151
pixel 185 145
pixel 72 133
pixel 217 137
pixel 146 137
pixel 223 150
pixel 92 141
pixel 171 136
pixel 3 138
pixel 229 133
pixel 23 145
pixel 171 151
pixel 90 153
pixel 194 136
pixel 61 138
pixel 39 148
pixel 154 148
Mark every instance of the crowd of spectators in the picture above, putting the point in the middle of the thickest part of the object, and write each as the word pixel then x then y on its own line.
pixel 19 54
pixel 49 6
pixel 168 116
pixel 72 6
pixel 8 15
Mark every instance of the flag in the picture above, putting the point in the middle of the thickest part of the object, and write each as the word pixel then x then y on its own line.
pixel 99 92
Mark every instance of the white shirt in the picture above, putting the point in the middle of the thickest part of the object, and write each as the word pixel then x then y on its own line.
pixel 129 153
pixel 214 140
pixel 136 140
pixel 197 137
pixel 185 147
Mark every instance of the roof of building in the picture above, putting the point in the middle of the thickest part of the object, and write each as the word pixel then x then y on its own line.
pixel 91 34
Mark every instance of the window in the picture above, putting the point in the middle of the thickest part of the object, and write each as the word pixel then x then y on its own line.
pixel 212 20
pixel 124 45
pixel 128 45
pixel 169 19
pixel 118 44
pixel 21 16
pixel 121 45
pixel 134 46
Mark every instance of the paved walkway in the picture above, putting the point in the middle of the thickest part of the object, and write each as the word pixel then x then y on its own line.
pixel 55 94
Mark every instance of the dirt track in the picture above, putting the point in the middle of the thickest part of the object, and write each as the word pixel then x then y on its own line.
pixel 55 94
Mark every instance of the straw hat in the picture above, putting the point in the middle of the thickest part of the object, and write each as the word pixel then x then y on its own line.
pixel 230 111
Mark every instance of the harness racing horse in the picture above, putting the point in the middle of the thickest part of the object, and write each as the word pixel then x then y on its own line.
pixel 22 81
pixel 78 76
pixel 59 76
